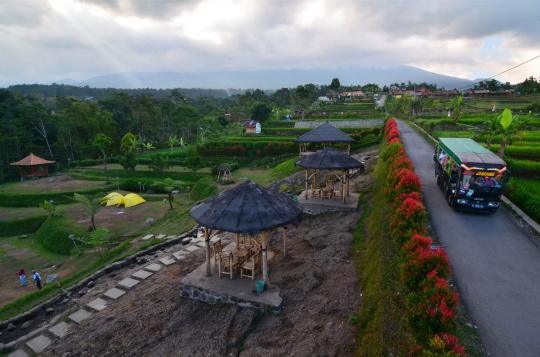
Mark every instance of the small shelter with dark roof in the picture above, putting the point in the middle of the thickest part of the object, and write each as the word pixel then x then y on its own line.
pixel 333 160
pixel 324 133
pixel 226 171
pixel 33 166
pixel 246 208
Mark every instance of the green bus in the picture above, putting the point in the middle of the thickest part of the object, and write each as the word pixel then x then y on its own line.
pixel 471 176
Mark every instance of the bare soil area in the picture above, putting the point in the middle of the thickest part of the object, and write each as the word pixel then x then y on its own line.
pixel 319 286
pixel 320 290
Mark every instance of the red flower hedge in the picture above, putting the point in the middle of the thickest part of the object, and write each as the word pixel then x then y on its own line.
pixel 408 220
pixel 420 262
pixel 432 309
pixel 430 300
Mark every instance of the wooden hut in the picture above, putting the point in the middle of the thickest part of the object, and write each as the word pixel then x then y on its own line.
pixel 324 134
pixel 246 208
pixel 333 160
pixel 33 166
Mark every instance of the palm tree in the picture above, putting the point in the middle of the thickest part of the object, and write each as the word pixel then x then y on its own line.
pixel 90 206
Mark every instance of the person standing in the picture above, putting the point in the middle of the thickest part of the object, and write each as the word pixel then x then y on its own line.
pixel 37 279
pixel 22 276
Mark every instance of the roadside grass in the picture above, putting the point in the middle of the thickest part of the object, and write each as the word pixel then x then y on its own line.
pixel 421 131
pixel 382 327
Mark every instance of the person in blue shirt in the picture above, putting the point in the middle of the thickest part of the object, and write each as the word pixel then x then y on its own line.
pixel 37 279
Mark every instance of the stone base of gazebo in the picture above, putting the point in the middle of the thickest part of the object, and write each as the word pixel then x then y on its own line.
pixel 315 205
pixel 212 290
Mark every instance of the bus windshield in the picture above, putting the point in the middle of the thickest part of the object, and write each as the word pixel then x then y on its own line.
pixel 487 181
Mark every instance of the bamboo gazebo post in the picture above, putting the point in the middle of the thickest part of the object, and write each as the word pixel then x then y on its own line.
pixel 207 243
pixel 307 180
pixel 264 256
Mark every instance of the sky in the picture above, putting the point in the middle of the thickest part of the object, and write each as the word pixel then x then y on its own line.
pixel 42 41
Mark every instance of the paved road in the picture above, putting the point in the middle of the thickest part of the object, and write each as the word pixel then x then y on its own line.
pixel 496 267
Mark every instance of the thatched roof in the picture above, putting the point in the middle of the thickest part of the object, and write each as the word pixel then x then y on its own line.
pixel 325 133
pixel 246 208
pixel 329 158
pixel 32 160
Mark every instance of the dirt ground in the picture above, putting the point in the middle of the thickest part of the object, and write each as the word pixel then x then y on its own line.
pixel 319 286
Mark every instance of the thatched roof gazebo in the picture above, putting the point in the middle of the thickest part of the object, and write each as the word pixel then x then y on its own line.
pixel 33 166
pixel 330 159
pixel 325 133
pixel 246 208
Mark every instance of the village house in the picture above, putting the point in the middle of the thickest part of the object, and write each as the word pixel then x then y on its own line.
pixel 252 127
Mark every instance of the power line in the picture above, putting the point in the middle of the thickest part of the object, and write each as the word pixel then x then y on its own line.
pixel 521 64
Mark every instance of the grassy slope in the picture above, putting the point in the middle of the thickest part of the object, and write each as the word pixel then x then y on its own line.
pixel 383 327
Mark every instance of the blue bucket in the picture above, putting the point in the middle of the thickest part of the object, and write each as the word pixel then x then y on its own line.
pixel 260 286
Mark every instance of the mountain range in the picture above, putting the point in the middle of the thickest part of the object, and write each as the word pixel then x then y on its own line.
pixel 271 79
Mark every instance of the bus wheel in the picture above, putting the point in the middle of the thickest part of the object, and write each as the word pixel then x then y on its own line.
pixel 451 200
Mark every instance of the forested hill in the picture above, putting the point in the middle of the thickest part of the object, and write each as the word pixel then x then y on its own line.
pixel 81 93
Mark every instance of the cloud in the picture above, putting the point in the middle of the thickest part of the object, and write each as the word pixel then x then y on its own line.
pixel 85 38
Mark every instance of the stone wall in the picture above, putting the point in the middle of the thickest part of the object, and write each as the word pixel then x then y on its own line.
pixel 314 209
pixel 213 297
pixel 340 124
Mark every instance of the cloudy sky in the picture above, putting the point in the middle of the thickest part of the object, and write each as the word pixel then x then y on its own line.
pixel 49 40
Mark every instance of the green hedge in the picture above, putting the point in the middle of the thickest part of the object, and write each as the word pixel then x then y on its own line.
pixel 33 200
pixel 54 232
pixel 21 226
pixel 204 188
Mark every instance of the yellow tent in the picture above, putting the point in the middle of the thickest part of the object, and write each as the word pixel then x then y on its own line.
pixel 112 198
pixel 131 199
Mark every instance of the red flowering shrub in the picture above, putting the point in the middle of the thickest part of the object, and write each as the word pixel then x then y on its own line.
pixel 420 262
pixel 416 242
pixel 403 181
pixel 407 221
pixel 392 133
pixel 393 150
pixel 440 346
pixel 236 150
pixel 432 308
pixel 394 140
pixel 401 162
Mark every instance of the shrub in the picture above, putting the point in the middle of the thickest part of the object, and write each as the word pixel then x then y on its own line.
pixel 408 220
pixel 53 235
pixel 394 149
pixel 21 226
pixel 203 189
pixel 440 346
pixel 420 262
pixel 432 308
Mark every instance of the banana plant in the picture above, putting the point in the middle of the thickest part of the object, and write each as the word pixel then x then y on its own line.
pixel 172 141
pixel 509 126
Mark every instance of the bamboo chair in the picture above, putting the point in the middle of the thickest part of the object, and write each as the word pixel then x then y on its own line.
pixel 327 193
pixel 250 267
pixel 315 192
pixel 329 184
pixel 226 264
pixel 337 193
pixel 217 249
pixel 246 242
